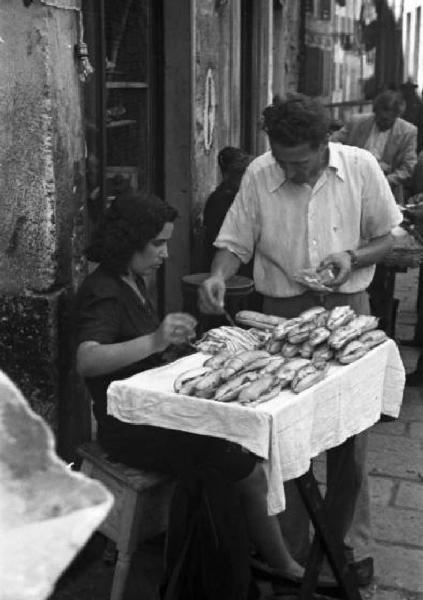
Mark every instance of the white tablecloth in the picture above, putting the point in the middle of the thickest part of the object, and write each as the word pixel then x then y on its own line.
pixel 287 431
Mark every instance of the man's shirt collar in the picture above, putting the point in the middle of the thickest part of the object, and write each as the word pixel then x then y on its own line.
pixel 335 160
pixel 276 175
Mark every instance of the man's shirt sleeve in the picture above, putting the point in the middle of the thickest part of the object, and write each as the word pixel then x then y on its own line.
pixel 380 212
pixel 238 232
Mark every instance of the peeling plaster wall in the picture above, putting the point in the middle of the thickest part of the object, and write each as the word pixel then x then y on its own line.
pixel 205 172
pixel 286 47
pixel 42 221
pixel 67 148
pixel 27 211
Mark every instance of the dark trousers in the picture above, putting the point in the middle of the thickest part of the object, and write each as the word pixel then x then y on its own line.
pixel 418 330
pixel 380 294
pixel 352 506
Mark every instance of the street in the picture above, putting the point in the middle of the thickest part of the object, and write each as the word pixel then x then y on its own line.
pixel 396 484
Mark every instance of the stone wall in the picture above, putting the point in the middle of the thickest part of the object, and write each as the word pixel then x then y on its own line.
pixel 41 210
pixel 207 87
pixel 286 44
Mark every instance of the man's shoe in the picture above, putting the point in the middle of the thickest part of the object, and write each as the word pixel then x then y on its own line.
pixel 414 379
pixel 283 580
pixel 364 571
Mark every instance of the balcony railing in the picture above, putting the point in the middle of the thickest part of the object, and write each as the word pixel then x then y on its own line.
pixel 342 111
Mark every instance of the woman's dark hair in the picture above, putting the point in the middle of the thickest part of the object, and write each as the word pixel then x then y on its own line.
pixel 131 221
pixel 296 119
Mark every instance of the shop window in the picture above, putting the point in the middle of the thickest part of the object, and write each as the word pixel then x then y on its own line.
pixel 123 100
pixel 325 10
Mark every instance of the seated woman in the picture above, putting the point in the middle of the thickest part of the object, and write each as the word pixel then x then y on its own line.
pixel 119 334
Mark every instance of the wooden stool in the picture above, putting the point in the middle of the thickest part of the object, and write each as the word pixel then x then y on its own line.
pixel 140 510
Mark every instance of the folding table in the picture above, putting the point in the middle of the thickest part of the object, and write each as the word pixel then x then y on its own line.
pixel 287 432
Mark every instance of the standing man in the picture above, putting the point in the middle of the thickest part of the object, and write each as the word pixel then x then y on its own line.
pixel 393 142
pixel 232 162
pixel 415 215
pixel 310 203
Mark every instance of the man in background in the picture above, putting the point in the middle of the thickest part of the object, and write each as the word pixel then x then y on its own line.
pixel 232 162
pixel 393 142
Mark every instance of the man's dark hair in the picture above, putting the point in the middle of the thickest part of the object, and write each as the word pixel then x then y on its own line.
pixel 388 100
pixel 296 119
pixel 234 159
pixel 131 221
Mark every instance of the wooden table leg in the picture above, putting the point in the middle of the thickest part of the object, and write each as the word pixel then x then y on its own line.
pixel 390 301
pixel 326 540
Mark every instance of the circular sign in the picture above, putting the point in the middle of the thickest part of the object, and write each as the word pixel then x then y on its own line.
pixel 209 110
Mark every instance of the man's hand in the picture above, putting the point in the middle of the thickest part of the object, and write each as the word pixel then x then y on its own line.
pixel 211 295
pixel 341 267
pixel 416 199
pixel 415 215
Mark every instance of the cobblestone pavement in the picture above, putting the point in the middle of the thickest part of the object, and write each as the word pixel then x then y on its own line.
pixel 396 477
pixel 396 483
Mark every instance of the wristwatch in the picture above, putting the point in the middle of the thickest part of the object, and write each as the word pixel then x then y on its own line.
pixel 354 258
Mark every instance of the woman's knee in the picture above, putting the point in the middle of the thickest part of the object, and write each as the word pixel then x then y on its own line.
pixel 255 483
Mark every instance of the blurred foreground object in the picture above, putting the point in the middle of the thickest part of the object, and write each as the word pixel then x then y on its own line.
pixel 47 511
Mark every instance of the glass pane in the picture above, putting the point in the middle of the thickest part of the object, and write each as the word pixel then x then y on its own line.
pixel 93 109
pixel 127 135
pixel 127 40
pixel 117 98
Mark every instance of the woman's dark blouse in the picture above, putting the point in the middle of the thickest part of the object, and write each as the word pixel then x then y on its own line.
pixel 108 311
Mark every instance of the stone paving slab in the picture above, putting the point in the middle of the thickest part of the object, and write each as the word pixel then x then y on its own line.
pixel 400 568
pixel 416 430
pixel 412 411
pixel 395 456
pixel 410 495
pixel 413 396
pixel 398 526
pixel 390 428
pixel 402 445
pixel 407 465
pixel 382 491
pixel 384 594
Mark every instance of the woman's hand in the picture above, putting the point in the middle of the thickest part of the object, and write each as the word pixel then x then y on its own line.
pixel 176 328
pixel 211 295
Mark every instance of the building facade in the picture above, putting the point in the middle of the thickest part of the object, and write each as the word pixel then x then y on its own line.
pixel 353 50
pixel 98 95
pixel 413 41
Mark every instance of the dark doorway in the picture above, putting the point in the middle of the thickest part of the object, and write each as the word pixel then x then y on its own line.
pixel 246 75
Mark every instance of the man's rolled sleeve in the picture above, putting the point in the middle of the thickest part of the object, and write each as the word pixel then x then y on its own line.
pixel 380 212
pixel 238 230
